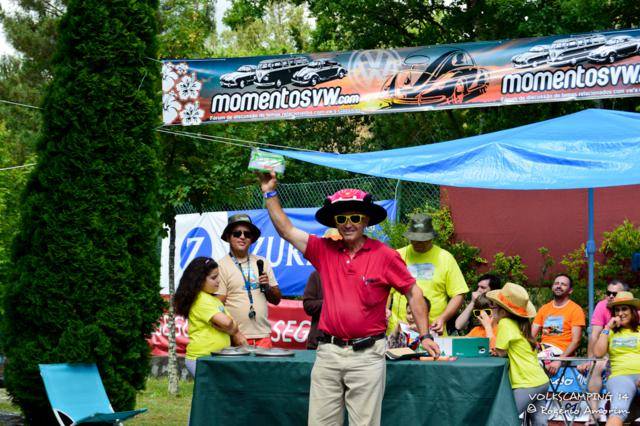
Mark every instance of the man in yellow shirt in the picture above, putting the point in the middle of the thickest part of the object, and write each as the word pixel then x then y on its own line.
pixel 436 272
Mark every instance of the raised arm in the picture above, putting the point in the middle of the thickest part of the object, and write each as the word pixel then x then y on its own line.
pixel 465 315
pixel 297 237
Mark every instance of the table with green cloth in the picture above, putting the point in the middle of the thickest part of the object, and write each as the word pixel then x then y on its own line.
pixel 252 390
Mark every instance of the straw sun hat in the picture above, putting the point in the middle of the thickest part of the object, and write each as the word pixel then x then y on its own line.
pixel 514 299
pixel 625 298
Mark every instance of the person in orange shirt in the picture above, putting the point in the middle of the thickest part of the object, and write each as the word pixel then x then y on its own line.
pixel 561 321
pixel 484 320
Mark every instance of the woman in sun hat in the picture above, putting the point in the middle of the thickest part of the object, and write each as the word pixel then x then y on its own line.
pixel 514 312
pixel 621 338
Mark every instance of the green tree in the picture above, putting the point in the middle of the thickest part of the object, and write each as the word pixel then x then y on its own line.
pixel 85 277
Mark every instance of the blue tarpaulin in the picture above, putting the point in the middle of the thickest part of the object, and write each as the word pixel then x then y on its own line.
pixel 589 149
pixel 593 148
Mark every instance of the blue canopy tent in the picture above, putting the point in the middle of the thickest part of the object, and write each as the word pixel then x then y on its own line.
pixel 590 149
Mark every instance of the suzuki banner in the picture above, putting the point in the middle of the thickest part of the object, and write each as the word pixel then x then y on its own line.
pixel 199 235
pixel 546 69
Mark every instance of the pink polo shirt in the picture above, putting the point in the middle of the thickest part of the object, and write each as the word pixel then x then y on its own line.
pixel 356 290
pixel 601 314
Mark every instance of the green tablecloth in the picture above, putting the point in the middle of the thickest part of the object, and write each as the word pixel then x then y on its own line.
pixel 254 390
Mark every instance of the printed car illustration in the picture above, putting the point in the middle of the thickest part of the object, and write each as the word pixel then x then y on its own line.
pixel 615 48
pixel 317 71
pixel 451 78
pixel 537 55
pixel 243 76
pixel 276 72
pixel 575 49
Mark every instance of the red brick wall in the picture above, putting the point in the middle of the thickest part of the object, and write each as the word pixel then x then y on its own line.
pixel 519 222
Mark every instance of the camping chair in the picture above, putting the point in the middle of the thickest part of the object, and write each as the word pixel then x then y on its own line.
pixel 77 395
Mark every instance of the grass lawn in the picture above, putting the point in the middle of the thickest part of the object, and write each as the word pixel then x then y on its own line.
pixel 164 409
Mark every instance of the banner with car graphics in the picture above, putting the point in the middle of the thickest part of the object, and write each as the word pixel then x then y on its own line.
pixel 546 69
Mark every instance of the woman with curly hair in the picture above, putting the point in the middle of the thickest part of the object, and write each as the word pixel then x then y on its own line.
pixel 210 325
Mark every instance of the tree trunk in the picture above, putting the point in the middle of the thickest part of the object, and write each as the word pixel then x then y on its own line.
pixel 173 360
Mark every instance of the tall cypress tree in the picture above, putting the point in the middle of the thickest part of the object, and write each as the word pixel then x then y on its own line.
pixel 85 284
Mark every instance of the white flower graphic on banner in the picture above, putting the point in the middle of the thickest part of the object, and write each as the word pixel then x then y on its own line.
pixel 169 76
pixel 192 114
pixel 182 68
pixel 188 87
pixel 170 107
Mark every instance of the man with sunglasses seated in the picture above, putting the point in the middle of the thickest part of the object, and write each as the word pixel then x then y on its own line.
pixel 243 290
pixel 357 273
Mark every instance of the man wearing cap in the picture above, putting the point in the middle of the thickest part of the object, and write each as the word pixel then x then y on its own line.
pixel 356 274
pixel 436 272
pixel 245 287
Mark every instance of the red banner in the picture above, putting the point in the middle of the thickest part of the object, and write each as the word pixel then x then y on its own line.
pixel 289 329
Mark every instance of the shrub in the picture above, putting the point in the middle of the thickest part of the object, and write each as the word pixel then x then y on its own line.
pixel 509 268
pixel 617 248
pixel 84 284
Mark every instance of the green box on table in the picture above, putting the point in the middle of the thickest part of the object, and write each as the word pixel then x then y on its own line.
pixel 464 347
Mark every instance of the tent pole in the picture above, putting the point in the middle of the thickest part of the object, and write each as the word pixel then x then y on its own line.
pixel 591 250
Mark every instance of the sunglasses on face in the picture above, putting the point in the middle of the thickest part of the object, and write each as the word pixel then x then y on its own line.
pixel 612 293
pixel 477 312
pixel 356 218
pixel 238 234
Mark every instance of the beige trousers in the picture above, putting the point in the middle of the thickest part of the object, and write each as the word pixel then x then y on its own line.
pixel 342 377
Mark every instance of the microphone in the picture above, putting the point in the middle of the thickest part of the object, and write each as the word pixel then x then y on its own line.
pixel 260 263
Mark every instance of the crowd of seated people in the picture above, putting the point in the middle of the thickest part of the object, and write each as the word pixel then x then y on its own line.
pixel 513 324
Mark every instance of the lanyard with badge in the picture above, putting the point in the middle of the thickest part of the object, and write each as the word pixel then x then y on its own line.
pixel 247 283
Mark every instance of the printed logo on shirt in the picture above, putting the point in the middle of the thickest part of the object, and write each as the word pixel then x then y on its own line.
pixel 253 277
pixel 624 342
pixel 422 271
pixel 553 325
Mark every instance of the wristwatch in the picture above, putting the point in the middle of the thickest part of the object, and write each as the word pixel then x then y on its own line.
pixel 426 336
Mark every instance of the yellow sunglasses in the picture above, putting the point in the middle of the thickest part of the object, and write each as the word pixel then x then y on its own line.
pixel 355 218
pixel 477 312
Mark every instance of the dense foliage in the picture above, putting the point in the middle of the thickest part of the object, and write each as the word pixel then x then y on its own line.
pixel 84 279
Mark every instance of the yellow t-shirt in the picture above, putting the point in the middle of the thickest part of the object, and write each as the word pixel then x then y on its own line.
pixel 438 275
pixel 524 369
pixel 203 338
pixel 624 352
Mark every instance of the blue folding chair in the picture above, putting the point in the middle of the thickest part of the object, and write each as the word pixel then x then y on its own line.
pixel 77 395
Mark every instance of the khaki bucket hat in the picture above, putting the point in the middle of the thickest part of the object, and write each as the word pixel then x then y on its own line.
pixel 514 299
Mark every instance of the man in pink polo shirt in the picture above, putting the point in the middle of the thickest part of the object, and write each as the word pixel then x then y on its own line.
pixel 357 274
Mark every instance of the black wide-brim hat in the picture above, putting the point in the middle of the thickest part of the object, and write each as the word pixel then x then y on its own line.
pixel 238 219
pixel 350 200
